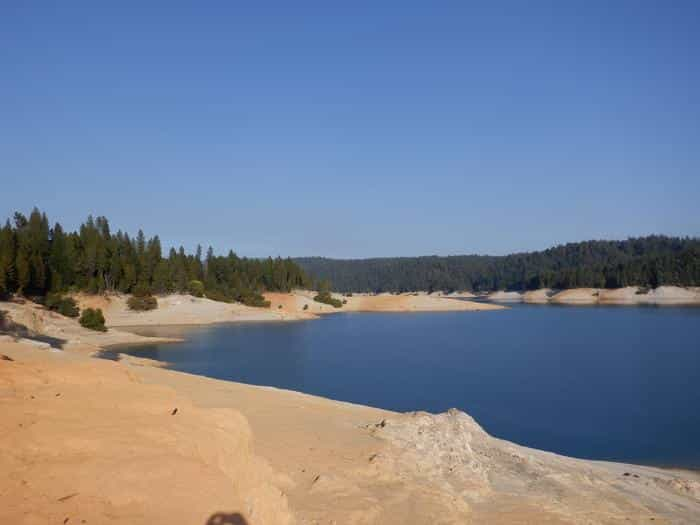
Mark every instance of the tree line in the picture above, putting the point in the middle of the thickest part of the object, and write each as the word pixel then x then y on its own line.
pixel 37 259
pixel 646 261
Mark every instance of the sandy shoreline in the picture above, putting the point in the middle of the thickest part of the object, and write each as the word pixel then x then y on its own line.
pixel 632 295
pixel 157 446
pixel 298 305
pixel 129 442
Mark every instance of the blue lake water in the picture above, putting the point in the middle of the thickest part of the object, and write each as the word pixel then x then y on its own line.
pixel 617 383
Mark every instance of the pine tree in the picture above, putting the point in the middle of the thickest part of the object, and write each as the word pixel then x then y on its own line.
pixel 4 286
pixel 7 258
pixel 23 272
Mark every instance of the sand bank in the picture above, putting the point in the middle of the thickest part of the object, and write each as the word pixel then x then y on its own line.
pixel 631 295
pixel 123 454
pixel 84 441
pixel 24 319
pixel 296 302
pixel 179 309
pixel 28 320
pixel 540 296
pixel 505 297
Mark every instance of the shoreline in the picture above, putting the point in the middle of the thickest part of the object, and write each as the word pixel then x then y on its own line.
pixel 629 296
pixel 297 456
pixel 140 361
pixel 298 305
pixel 153 445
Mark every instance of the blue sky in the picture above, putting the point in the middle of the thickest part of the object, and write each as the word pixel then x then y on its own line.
pixel 368 129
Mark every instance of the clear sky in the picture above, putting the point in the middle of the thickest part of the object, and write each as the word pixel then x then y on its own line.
pixel 355 130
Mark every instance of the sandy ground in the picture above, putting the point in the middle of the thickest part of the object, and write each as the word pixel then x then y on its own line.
pixel 257 455
pixel 661 295
pixel 505 297
pixel 293 304
pixel 540 296
pixel 413 303
pixel 84 440
pixel 299 305
pixel 631 295
pixel 577 296
pixel 29 320
pixel 178 309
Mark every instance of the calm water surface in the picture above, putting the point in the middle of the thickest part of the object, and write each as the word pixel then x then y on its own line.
pixel 619 383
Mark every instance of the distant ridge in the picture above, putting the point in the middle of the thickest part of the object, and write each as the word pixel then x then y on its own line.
pixel 649 261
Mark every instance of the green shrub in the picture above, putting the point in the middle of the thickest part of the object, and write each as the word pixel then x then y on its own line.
pixel 215 295
pixel 254 299
pixel 327 298
pixel 306 307
pixel 51 300
pixel 93 319
pixel 63 305
pixel 196 288
pixel 142 303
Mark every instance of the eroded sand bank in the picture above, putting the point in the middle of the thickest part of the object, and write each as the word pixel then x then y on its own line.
pixel 84 441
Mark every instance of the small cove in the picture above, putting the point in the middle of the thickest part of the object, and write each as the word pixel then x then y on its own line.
pixel 600 382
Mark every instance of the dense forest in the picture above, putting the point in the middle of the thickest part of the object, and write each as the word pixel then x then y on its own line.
pixel 36 259
pixel 647 261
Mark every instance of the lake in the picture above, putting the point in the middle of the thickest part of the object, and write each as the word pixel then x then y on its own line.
pixel 602 382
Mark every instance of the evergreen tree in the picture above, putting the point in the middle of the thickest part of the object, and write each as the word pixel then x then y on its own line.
pixel 58 259
pixel 648 261
pixel 7 259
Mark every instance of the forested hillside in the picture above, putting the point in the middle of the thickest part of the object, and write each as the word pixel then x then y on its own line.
pixel 36 258
pixel 646 261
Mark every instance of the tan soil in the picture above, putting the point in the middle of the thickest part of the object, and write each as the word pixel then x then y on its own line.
pixel 632 295
pixel 93 440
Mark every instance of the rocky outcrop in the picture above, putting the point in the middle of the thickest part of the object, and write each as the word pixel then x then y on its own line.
pixel 482 472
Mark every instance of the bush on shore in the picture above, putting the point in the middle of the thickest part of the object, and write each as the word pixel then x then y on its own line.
pixel 215 295
pixel 142 303
pixel 326 298
pixel 254 299
pixel 63 305
pixel 196 288
pixel 248 298
pixel 93 319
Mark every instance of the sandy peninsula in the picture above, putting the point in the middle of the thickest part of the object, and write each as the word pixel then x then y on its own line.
pixel 300 302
